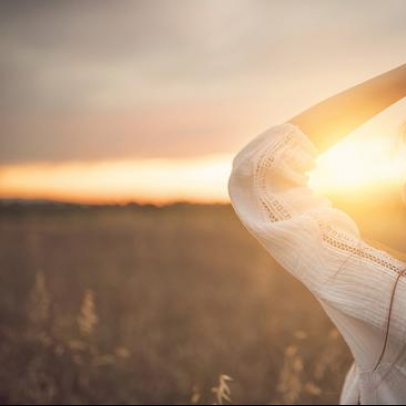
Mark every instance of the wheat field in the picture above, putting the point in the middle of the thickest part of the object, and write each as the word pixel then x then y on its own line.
pixel 144 305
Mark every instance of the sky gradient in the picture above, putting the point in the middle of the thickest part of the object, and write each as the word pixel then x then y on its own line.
pixel 131 95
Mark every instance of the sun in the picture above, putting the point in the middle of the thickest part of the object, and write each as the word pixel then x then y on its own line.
pixel 358 164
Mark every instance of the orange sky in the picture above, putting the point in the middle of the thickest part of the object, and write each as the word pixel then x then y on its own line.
pixel 158 181
pixel 371 158
pixel 150 101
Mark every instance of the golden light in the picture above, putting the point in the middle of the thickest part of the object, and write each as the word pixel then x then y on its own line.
pixel 359 164
pixel 352 168
pixel 159 181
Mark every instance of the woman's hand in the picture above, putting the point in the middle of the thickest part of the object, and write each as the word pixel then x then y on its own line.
pixel 329 121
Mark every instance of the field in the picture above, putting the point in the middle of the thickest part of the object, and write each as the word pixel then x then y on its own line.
pixel 142 305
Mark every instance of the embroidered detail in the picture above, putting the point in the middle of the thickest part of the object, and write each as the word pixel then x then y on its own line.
pixel 267 159
pixel 275 210
pixel 342 242
pixel 270 213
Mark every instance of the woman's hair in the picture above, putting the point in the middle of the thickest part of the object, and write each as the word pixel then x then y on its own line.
pixel 392 295
pixel 392 298
pixel 401 256
pixel 398 255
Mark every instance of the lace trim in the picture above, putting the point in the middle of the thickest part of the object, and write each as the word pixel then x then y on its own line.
pixel 341 242
pixel 275 210
pixel 267 160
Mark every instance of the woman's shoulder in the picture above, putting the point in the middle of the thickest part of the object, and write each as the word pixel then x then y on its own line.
pixel 277 139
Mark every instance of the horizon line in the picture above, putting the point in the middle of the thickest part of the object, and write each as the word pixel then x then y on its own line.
pixel 112 203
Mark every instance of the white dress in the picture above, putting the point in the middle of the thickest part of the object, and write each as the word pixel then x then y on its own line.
pixel 321 246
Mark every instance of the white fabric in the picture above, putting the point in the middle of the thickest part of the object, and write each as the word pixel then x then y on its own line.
pixel 322 247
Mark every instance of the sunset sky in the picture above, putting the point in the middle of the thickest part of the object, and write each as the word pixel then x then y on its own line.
pixel 148 100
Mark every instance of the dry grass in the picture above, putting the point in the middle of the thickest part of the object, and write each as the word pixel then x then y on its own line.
pixel 155 306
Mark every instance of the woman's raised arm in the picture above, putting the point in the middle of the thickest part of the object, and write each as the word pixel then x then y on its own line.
pixel 332 119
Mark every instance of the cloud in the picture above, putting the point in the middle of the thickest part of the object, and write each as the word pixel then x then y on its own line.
pixel 183 73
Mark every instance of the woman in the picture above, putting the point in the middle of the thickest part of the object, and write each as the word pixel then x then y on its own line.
pixel 362 289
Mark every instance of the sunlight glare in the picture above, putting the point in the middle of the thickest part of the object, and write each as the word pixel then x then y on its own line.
pixel 359 164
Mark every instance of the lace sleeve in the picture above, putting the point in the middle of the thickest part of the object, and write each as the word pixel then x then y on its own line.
pixel 316 242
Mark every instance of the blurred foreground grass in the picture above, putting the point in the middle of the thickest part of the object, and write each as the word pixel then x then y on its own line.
pixel 152 306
